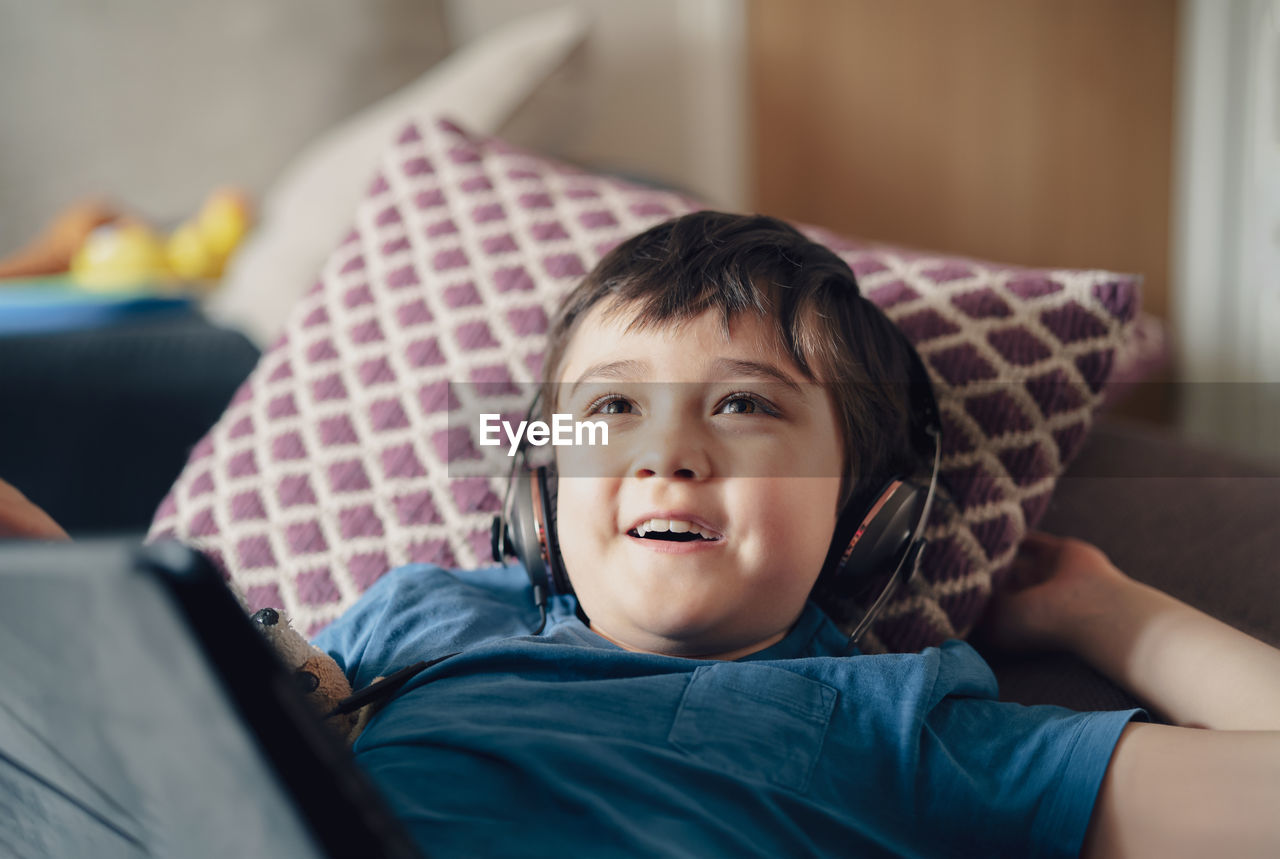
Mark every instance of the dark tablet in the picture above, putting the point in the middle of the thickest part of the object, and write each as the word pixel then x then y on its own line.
pixel 141 714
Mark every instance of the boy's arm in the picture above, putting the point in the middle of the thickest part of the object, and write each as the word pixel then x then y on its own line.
pixel 1188 667
pixel 1172 791
pixel 1168 791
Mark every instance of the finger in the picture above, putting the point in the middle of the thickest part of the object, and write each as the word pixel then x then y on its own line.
pixel 21 518
pixel 32 524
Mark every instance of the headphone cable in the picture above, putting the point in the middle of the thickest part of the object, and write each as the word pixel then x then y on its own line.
pixel 391 684
pixel 540 600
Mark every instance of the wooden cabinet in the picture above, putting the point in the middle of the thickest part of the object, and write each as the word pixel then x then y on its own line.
pixel 1025 131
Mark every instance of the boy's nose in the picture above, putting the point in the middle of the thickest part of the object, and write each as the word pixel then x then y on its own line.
pixel 681 473
pixel 674 453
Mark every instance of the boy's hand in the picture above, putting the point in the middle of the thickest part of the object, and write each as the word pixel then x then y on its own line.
pixel 21 519
pixel 1054 586
pixel 1186 666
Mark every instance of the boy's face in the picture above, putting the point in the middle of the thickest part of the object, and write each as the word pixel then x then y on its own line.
pixel 721 433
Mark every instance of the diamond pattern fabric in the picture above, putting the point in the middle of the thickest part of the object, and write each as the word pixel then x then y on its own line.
pixel 332 463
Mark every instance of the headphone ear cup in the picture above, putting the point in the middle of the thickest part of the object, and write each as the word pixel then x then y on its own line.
pixel 878 540
pixel 556 573
pixel 524 530
pixel 532 531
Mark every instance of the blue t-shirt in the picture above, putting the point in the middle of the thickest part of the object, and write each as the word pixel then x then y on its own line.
pixel 565 744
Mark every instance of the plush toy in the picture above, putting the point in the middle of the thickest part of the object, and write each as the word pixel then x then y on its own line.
pixel 50 252
pixel 102 247
pixel 199 248
pixel 318 675
pixel 129 252
pixel 122 255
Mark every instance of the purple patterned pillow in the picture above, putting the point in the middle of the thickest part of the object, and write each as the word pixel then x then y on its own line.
pixel 332 463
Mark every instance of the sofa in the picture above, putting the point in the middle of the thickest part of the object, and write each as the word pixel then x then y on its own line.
pixel 1176 514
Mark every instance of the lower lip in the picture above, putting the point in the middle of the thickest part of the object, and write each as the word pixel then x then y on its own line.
pixel 664 547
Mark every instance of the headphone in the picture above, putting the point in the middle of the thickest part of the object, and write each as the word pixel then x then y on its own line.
pixel 872 542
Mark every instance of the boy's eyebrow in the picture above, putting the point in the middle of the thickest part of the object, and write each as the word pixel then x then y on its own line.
pixel 721 366
pixel 611 370
pixel 740 367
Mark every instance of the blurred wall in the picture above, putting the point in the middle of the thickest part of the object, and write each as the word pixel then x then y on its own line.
pixel 657 91
pixel 155 104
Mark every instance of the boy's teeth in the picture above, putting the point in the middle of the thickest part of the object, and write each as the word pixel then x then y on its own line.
pixel 674 526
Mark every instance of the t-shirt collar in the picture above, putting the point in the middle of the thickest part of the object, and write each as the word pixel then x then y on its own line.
pixel 812 635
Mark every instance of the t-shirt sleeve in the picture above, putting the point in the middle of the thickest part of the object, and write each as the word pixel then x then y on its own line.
pixel 1020 780
pixel 421 612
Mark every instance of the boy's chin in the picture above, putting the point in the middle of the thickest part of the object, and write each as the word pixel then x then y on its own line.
pixel 674 565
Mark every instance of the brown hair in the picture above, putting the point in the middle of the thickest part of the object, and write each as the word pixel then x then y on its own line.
pixel 733 264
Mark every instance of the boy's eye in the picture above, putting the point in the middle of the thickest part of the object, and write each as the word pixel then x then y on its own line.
pixel 611 404
pixel 745 404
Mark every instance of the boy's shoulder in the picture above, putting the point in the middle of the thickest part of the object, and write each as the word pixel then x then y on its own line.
pixel 918 681
pixel 503 582
pixel 420 611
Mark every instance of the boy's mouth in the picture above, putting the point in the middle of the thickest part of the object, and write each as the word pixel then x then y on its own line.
pixel 673 531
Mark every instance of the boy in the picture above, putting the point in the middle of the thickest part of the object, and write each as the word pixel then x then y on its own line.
pixel 690 699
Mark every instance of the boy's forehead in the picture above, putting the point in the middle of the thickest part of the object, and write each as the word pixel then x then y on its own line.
pixel 623 332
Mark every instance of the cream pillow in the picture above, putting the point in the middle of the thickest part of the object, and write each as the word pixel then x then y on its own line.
pixel 309 208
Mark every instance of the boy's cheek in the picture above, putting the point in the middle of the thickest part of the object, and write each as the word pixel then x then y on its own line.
pixel 585 524
pixel 587 505
pixel 588 461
